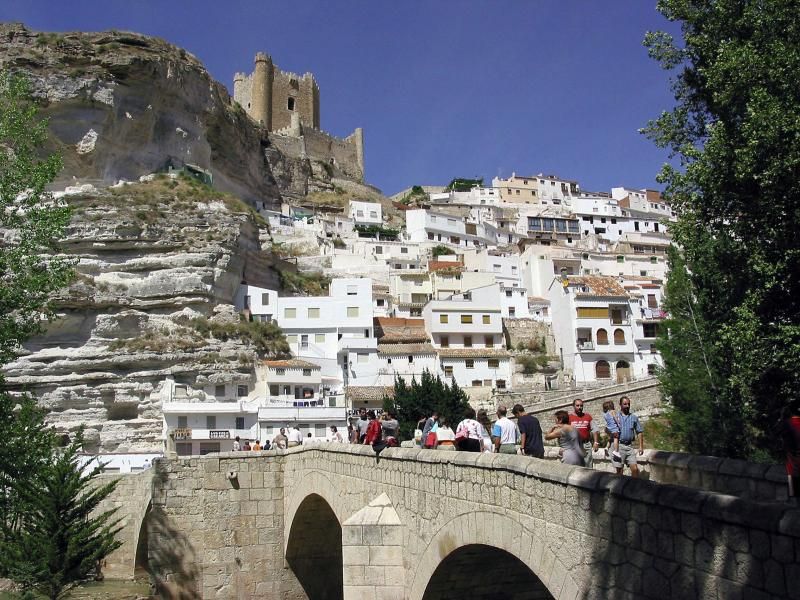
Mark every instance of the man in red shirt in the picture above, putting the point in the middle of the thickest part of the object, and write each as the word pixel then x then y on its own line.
pixel 582 422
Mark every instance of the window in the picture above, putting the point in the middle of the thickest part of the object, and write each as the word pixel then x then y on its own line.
pixel 651 301
pixel 319 338
pixel 373 214
pixel 501 384
pixel 219 390
pixel 274 390
pixel 403 250
pixel 265 299
pixel 444 341
pixel 363 357
pixel 241 390
pixel 443 318
pixel 448 371
pixel 487 319
pixel 469 363
pixel 378 249
pixel 602 370
pixel 488 341
pixel 430 236
pixel 496 268
pixel 313 313
pixel 239 423
pixel 508 293
pixel 650 330
pixel 494 363
pixel 359 213
pixel 306 372
pixel 652 369
pixel 280 371
pixel 513 270
pixel 287 390
pixel 352 311
pixel 487 383
pixel 602 337
pixel 304 341
pixel 467 341
pixel 291 338
pixel 183 422
pixel 592 312
pixel 476 383
pixel 512 312
pixel 410 359
pixel 211 422
pixel 290 104
pixel 619 337
pixel 466 319
pixel 643 273
pixel 290 313
pixel 654 259
pixel 247 302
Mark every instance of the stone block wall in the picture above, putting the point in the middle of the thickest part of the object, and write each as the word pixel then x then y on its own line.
pixel 584 534
pixel 131 499
pixel 528 330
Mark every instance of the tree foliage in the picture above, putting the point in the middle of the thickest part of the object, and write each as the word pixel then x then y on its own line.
pixel 60 539
pixel 30 219
pixel 733 347
pixel 420 398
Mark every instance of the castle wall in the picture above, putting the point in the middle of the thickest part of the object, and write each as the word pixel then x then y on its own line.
pixel 324 147
pixel 305 93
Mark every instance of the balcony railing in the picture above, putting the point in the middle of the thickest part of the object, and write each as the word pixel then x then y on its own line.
pixel 182 433
pixel 219 434
pixel 585 345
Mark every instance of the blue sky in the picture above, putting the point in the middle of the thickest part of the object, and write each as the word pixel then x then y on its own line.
pixel 442 88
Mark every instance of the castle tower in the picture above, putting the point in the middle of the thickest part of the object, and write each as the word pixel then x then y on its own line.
pixel 358 139
pixel 261 93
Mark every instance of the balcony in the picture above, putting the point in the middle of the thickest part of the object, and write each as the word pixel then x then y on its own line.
pixel 585 345
pixel 292 413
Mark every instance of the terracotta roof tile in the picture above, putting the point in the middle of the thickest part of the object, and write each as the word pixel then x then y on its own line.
pixel 400 349
pixel 365 392
pixel 444 265
pixel 598 285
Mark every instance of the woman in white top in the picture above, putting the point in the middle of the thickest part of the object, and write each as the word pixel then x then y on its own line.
pixel 445 437
pixel 468 433
pixel 335 435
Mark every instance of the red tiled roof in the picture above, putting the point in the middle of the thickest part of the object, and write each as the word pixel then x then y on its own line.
pixel 400 349
pixel 598 285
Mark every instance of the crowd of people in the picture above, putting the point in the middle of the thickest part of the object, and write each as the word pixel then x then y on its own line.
pixel 576 433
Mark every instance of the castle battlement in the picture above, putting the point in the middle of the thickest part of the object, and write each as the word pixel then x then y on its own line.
pixel 287 105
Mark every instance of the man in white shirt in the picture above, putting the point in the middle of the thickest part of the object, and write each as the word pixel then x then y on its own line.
pixel 504 433
pixel 295 437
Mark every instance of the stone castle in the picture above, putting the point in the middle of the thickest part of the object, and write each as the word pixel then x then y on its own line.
pixel 287 105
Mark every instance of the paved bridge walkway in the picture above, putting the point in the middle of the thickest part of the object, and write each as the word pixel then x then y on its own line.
pixel 331 522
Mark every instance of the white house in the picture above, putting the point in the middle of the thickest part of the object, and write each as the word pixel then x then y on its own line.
pixel 468 337
pixel 593 325
pixel 404 349
pixel 366 213
pixel 424 225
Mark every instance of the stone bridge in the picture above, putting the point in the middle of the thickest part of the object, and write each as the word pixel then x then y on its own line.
pixel 332 522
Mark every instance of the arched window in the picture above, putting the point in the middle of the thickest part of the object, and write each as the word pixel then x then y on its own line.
pixel 602 337
pixel 602 370
pixel 290 104
pixel 623 371
pixel 619 337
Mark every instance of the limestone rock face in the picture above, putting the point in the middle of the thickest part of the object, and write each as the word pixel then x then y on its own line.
pixel 150 259
pixel 122 105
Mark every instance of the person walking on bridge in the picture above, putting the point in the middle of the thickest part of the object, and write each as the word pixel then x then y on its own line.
pixel 531 430
pixel 630 430
pixel 587 432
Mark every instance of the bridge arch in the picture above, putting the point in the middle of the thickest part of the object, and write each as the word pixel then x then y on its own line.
pixel 489 539
pixel 313 539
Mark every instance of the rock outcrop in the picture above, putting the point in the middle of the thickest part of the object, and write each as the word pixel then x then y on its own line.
pixel 153 260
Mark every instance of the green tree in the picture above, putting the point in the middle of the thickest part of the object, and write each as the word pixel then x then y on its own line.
pixel 421 398
pixel 30 271
pixel 735 132
pixel 31 219
pixel 58 542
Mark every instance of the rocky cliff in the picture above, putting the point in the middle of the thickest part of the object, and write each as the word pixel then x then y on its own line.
pixel 159 262
pixel 156 262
